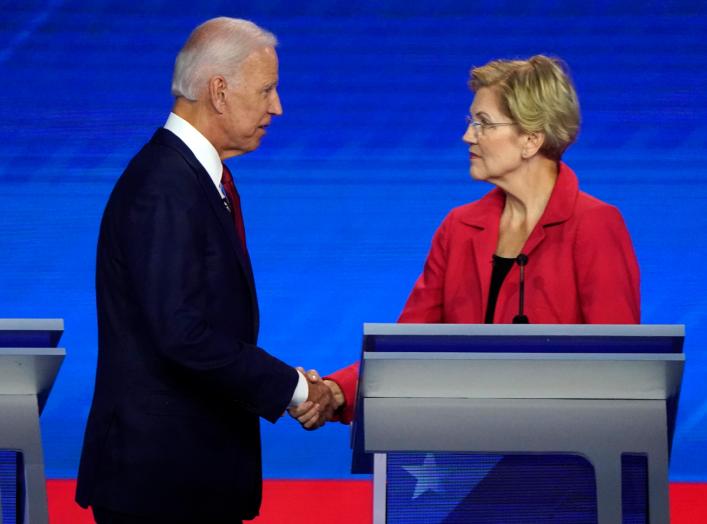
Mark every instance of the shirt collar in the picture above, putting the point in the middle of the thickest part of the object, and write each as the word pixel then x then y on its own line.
pixel 198 144
pixel 487 211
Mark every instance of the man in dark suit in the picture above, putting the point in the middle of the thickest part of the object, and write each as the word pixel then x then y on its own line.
pixel 173 434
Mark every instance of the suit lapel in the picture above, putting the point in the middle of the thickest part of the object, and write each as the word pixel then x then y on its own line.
pixel 535 238
pixel 226 220
pixel 559 207
pixel 223 216
pixel 484 220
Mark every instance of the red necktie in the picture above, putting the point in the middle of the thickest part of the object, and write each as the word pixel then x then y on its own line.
pixel 235 200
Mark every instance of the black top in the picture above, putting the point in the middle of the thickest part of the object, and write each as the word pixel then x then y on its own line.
pixel 501 267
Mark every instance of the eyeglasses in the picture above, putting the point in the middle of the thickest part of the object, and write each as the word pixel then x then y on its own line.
pixel 481 127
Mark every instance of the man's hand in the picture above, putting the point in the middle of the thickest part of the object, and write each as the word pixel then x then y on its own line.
pixel 325 397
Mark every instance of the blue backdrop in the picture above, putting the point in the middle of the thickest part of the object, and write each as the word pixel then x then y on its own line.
pixel 342 198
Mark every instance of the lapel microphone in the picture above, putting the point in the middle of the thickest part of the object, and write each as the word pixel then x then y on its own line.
pixel 520 318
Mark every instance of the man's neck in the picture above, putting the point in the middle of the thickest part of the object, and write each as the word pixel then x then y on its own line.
pixel 195 114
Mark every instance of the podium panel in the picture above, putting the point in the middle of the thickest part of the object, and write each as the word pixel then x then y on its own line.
pixel 29 363
pixel 614 410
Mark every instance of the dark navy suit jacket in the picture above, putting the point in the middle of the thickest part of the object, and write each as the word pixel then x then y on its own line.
pixel 174 430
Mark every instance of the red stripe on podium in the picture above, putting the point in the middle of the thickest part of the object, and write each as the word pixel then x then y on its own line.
pixel 343 501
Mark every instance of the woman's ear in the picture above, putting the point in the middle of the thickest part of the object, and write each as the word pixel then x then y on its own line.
pixel 532 142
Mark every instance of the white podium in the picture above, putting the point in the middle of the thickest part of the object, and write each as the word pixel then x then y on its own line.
pixel 29 363
pixel 598 391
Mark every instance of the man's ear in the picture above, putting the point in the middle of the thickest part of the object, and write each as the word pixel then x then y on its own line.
pixel 217 93
pixel 532 142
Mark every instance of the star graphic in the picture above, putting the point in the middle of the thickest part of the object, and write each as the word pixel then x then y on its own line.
pixel 427 476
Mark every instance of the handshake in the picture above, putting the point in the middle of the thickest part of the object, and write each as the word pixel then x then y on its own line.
pixel 324 399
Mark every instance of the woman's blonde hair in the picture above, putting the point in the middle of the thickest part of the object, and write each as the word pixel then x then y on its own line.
pixel 538 95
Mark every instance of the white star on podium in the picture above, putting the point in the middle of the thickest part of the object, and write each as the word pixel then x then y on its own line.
pixel 428 476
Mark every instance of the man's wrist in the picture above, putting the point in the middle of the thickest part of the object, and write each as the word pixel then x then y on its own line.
pixel 301 391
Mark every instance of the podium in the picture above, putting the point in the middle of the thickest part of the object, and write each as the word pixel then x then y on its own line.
pixel 29 363
pixel 600 392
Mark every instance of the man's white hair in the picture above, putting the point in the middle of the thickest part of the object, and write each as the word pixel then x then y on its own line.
pixel 216 47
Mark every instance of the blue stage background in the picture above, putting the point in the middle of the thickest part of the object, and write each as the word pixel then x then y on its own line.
pixel 342 198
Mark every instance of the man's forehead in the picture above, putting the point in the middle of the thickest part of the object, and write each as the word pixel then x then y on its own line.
pixel 264 58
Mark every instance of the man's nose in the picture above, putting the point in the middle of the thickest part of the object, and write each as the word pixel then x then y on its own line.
pixel 275 104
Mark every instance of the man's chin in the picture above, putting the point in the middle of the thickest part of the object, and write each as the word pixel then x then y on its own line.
pixel 242 149
pixel 254 142
pixel 255 145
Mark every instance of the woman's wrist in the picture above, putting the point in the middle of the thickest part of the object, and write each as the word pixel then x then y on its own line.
pixel 339 399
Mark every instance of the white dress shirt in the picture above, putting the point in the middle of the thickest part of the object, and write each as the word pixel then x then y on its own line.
pixel 208 157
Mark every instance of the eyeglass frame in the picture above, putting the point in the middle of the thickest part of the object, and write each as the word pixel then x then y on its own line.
pixel 481 127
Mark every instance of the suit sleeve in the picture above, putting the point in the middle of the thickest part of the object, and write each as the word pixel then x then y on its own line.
pixel 607 271
pixel 425 305
pixel 165 254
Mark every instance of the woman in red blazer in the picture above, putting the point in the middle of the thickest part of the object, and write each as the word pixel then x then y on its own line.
pixel 581 267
